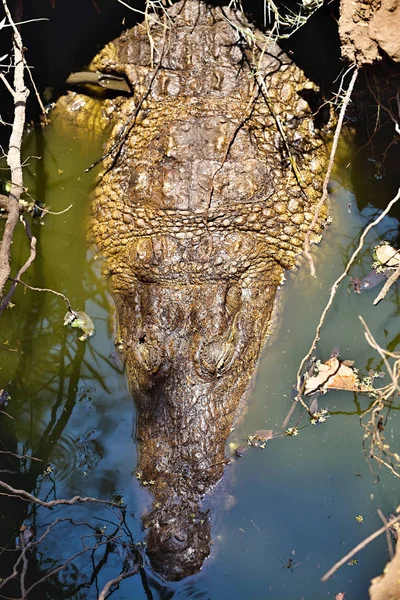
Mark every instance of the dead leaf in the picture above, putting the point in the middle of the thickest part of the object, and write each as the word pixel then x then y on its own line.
pixel 335 375
pixel 388 256
pixel 260 437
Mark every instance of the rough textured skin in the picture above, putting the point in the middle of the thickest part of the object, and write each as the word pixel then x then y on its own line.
pixel 198 215
pixel 367 28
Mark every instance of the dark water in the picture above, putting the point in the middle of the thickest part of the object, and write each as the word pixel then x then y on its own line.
pixel 295 500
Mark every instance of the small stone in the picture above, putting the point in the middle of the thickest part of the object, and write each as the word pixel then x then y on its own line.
pixel 240 451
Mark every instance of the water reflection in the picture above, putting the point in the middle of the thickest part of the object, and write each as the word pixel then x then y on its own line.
pixel 61 390
pixel 295 500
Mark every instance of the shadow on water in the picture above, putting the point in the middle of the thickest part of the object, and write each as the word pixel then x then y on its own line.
pixel 67 397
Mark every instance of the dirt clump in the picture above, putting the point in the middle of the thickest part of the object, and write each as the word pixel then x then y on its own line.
pixel 369 28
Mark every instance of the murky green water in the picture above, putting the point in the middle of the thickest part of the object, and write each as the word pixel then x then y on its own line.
pixel 297 499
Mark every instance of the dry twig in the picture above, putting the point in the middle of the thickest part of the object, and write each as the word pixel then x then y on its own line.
pixel 377 448
pixel 387 532
pixel 392 279
pixel 324 196
pixel 48 290
pixel 116 581
pixel 23 495
pixel 359 547
pixel 338 282
pixel 20 94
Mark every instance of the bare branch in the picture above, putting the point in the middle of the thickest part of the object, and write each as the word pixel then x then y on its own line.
pixel 109 82
pixel 23 495
pixel 48 290
pixel 50 212
pixel 387 532
pixel 14 153
pixel 116 581
pixel 20 456
pixel 324 196
pixel 392 279
pixel 29 261
pixel 339 280
pixel 359 547
pixel 8 86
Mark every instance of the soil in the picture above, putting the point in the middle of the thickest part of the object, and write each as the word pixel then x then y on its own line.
pixel 369 29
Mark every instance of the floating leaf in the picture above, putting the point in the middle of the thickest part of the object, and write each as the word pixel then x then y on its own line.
pixel 80 320
pixel 260 437
pixel 335 375
pixel 387 256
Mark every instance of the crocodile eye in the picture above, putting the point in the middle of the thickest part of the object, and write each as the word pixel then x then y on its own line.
pixel 233 300
pixel 215 357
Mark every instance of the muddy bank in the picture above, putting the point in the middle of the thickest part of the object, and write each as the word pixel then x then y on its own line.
pixel 370 30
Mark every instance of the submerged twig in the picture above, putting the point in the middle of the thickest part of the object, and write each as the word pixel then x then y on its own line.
pixel 116 581
pixel 387 532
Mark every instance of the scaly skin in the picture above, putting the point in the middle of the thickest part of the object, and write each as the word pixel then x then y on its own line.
pixel 198 214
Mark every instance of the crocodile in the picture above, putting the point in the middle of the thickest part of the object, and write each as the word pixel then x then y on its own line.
pixel 212 174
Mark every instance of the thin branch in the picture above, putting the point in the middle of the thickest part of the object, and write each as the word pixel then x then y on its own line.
pixel 50 212
pixel 20 456
pixel 392 279
pixel 8 86
pixel 359 547
pixel 25 22
pixel 339 280
pixel 387 532
pixel 324 196
pixel 14 152
pixel 373 343
pixel 23 495
pixel 48 290
pixel 109 82
pixel 32 244
pixel 42 108
pixel 116 581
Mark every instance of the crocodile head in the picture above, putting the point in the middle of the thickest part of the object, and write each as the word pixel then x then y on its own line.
pixel 190 350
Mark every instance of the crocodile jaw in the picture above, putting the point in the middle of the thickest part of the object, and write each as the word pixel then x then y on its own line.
pixel 190 352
